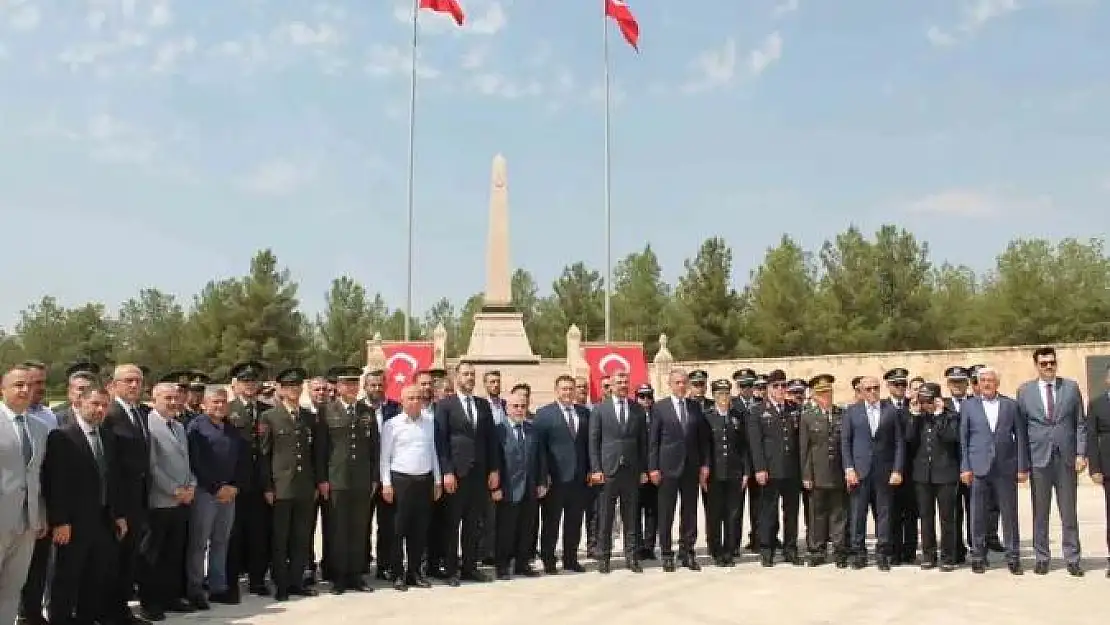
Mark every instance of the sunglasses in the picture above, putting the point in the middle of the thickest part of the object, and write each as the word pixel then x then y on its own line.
pixel 870 388
pixel 518 405
pixel 1047 363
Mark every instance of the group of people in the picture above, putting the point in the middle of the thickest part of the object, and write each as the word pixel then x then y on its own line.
pixel 174 494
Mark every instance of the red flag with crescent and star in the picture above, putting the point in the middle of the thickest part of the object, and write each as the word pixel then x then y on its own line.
pixel 451 7
pixel 618 11
pixel 403 360
pixel 605 360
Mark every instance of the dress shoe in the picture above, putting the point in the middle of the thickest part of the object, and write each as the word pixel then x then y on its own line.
pixel 200 603
pixel 549 568
pixel 502 573
pixel 474 575
pixel 180 606
pixel 883 563
pixel 995 545
pixel 262 590
pixel 399 584
pixel 815 559
pixel 453 581
pixel 151 614
pixel 356 584
pixel 767 559
pixel 634 566
pixel 34 619
pixel 419 581
pixel 691 562
pixel 382 574
pixel 526 571
pixel 647 554
pixel 603 567
pixel 574 567
pixel 859 562
pixel 947 567
pixel 841 562
pixel 977 566
pixel 1015 567
pixel 668 565
pixel 792 558
pixel 227 597
pixel 1041 568
pixel 302 591
pixel 1075 570
pixel 928 563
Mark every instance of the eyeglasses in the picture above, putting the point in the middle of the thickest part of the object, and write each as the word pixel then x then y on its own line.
pixel 518 405
pixel 1047 363
pixel 870 388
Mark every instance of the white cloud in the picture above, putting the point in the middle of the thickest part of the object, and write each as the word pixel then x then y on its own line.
pixel 160 14
pixel 26 17
pixel 713 68
pixel 489 23
pixel 95 19
pixel 171 52
pixel 769 52
pixel 974 203
pixel 975 16
pixel 388 61
pixel 785 7
pixel 498 85
pixel 107 139
pixel 277 178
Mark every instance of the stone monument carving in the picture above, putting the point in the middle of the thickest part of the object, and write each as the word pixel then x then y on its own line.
pixel 498 336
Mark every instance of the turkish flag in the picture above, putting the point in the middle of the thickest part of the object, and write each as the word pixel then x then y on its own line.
pixel 445 6
pixel 618 11
pixel 605 360
pixel 403 360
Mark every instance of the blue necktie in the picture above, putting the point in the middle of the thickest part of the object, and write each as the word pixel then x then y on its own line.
pixel 25 439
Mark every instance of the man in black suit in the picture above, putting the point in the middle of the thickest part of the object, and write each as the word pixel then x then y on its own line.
pixel 649 492
pixel 127 419
pixel 466 445
pixel 618 461
pixel 903 512
pixel 384 410
pixel 1098 446
pixel 87 501
pixel 777 466
pixel 562 436
pixel 675 460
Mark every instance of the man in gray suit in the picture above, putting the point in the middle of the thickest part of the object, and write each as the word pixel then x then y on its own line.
pixel 994 457
pixel 172 487
pixel 22 511
pixel 1053 409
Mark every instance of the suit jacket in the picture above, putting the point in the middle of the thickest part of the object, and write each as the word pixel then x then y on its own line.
pixel 1098 433
pixel 521 466
pixel 724 443
pixel 1005 450
pixel 673 448
pixel 934 444
pixel 566 455
pixel 21 482
pixel 169 461
pixel 1068 431
pixel 774 440
pixel 882 453
pixel 133 449
pixel 463 446
pixel 613 445
pixel 71 483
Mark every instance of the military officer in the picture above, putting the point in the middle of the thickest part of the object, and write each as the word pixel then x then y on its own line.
pixel 743 380
pixel 936 472
pixel 699 383
pixel 348 451
pixel 649 493
pixel 823 474
pixel 249 548
pixel 776 465
pixel 755 490
pixel 903 513
pixel 289 435
pixel 796 389
pixel 192 385
pixel 725 440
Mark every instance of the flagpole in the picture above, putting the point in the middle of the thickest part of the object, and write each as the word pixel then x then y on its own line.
pixel 412 168
pixel 608 193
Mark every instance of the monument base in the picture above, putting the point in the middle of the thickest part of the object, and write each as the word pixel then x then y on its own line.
pixel 498 337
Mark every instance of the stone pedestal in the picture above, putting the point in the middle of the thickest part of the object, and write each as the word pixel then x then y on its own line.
pixel 499 338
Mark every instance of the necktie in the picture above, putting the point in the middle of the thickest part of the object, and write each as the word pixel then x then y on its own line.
pixel 519 433
pixel 620 411
pixel 469 409
pixel 138 422
pixel 1050 401
pixel 572 425
pixel 24 438
pixel 101 465
pixel 682 412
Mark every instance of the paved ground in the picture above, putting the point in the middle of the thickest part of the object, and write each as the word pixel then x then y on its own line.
pixel 747 594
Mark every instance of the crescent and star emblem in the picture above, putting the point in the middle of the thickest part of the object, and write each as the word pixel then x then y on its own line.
pixel 405 356
pixel 603 364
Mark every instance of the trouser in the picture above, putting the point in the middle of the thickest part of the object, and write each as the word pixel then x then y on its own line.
pixel 755 499
pixel 723 501
pixel 681 490
pixel 935 500
pixel 1058 477
pixel 162 561
pixel 36 589
pixel 83 575
pixel 876 488
pixel 209 536
pixel 348 524
pixel 787 494
pixel 649 516
pixel 127 559
pixel 828 511
pixel 412 505
pixel 487 531
pixel 1003 490
pixel 624 485
pixel 593 504
pixel 515 523
pixel 292 541
pixel 383 513
pixel 16 551
pixel 563 508
pixel 903 519
pixel 321 518
pixel 436 527
pixel 464 509
pixel 249 546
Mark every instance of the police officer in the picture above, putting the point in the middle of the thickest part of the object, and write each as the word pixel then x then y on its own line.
pixel 755 490
pixel 249 548
pixel 289 436
pixel 743 381
pixel 348 450
pixel 776 465
pixel 823 474
pixel 725 474
pixel 936 472
pixel 649 493
pixel 192 385
pixel 796 389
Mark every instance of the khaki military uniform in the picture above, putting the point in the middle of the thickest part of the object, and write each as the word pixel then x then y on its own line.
pixel 823 470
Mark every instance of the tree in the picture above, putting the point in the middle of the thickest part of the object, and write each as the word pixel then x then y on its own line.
pixel 580 300
pixel 443 312
pixel 151 330
pixel 956 307
pixel 640 299
pixel 780 312
pixel 210 330
pixel 346 324
pixel 58 336
pixel 706 313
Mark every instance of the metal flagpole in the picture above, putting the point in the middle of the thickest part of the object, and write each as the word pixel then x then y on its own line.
pixel 412 167
pixel 608 194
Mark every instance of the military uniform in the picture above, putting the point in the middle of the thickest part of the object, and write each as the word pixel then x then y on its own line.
pixel 755 491
pixel 773 436
pixel 289 436
pixel 349 451
pixel 903 511
pixel 249 546
pixel 726 443
pixel 936 472
pixel 823 472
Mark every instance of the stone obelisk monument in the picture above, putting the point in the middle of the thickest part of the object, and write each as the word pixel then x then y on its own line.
pixel 498 336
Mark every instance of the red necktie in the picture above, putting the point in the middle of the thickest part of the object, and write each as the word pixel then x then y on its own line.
pixel 1050 402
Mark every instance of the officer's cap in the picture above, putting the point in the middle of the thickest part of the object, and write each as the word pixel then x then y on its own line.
pixel 797 385
pixel 956 373
pixel 645 390
pixel 896 375
pixel 248 371
pixel 744 377
pixel 85 368
pixel 761 380
pixel 198 380
pixel 973 372
pixel 855 382
pixel 345 372
pixel 778 375
pixel 928 391
pixel 699 376
pixel 822 383
pixel 293 376
pixel 437 374
pixel 721 386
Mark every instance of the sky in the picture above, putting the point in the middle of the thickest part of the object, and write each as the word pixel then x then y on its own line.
pixel 162 142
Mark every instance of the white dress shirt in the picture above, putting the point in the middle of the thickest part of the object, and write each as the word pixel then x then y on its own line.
pixel 990 407
pixel 570 415
pixel 408 447
pixel 873 417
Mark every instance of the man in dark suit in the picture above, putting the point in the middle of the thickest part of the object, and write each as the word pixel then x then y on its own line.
pixel 649 492
pixel 903 512
pixel 934 435
pixel 466 445
pixel 994 457
pixel 87 505
pixel 773 436
pixel 1098 447
pixel 1053 410
pixel 618 461
pixel 873 451
pixel 562 436
pixel 520 467
pixel 384 409
pixel 127 419
pixel 675 461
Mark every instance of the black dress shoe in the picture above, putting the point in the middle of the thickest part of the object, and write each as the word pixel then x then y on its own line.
pixel 1075 570
pixel 634 566
pixel 574 567
pixel 841 562
pixel 603 567
pixel 549 568
pixel 767 559
pixel 356 584
pixel 1041 568
pixel 691 562
pixel 977 566
pixel 526 571
pixel 302 591
pixel 150 614
pixel 859 562
pixel 453 581
pixel 668 565
pixel 181 606
pixel 1015 567
pixel 228 597
pixel 419 581
pixel 262 590
pixel 502 573
pixel 884 563
pixel 399 584
pixel 474 575
pixel 200 603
